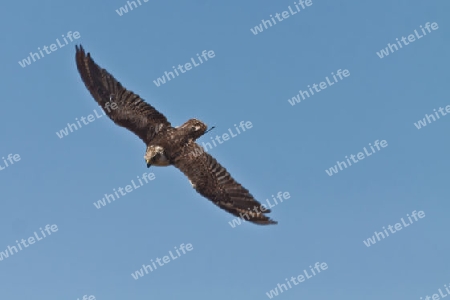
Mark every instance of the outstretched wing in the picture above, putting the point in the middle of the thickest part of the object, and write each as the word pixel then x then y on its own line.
pixel 213 181
pixel 124 107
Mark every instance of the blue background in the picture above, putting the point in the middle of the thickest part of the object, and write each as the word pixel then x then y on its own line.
pixel 288 149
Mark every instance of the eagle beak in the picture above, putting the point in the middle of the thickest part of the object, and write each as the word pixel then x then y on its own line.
pixel 148 163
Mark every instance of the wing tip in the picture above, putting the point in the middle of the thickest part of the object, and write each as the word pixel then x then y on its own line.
pixel 79 49
pixel 264 222
pixel 257 218
pixel 80 53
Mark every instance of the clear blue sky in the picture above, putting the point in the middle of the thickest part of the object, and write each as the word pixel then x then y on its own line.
pixel 288 149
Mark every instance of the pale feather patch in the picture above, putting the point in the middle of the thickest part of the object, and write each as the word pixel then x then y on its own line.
pixel 193 185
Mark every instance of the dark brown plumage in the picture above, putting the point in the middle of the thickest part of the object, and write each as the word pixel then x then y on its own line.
pixel 167 145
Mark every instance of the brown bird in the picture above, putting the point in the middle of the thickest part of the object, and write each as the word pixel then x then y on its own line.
pixel 167 145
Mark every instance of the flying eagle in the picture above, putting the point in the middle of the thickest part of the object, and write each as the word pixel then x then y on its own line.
pixel 167 145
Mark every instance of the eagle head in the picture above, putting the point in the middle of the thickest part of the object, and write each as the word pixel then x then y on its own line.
pixel 155 156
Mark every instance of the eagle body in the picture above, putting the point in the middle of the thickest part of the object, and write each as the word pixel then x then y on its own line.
pixel 167 145
pixel 170 143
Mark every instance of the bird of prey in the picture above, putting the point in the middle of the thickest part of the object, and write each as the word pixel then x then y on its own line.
pixel 167 145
